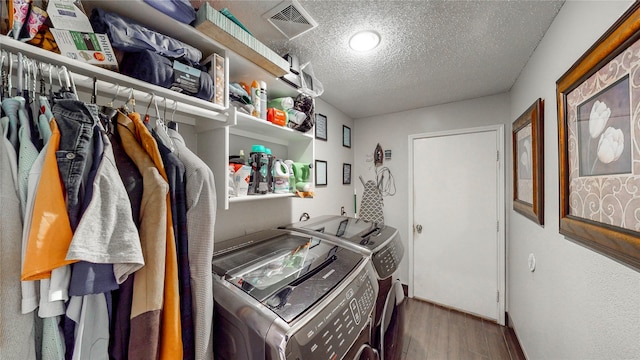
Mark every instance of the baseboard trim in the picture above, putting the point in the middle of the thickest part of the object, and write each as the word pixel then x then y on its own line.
pixel 513 344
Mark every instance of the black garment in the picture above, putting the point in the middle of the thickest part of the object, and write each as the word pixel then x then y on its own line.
pixel 178 193
pixel 120 328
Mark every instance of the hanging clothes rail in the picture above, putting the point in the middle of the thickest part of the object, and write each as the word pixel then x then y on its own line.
pixel 203 113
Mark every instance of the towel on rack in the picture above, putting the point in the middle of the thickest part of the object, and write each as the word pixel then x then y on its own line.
pixel 159 70
pixel 127 35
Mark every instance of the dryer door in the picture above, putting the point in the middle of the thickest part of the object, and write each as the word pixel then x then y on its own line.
pixel 366 352
pixel 392 326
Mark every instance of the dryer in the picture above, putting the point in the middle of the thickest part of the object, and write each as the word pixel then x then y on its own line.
pixel 281 294
pixel 382 244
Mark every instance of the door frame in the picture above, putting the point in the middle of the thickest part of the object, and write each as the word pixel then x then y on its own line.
pixel 500 141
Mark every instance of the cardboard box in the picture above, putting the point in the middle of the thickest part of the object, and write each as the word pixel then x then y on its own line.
pixel 94 49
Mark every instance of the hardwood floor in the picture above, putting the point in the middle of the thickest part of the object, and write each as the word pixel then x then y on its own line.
pixel 433 332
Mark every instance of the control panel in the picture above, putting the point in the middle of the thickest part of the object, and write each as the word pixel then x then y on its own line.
pixel 387 260
pixel 330 334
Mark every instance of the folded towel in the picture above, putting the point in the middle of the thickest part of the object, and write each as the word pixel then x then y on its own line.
pixel 159 70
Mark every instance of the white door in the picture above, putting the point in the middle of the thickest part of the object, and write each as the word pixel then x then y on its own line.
pixel 457 202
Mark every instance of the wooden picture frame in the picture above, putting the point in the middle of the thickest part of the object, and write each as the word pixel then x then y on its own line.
pixel 599 144
pixel 321 127
pixel 528 162
pixel 346 136
pixel 346 174
pixel 321 173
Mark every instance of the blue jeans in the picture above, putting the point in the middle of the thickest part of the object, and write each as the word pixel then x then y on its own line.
pixel 75 120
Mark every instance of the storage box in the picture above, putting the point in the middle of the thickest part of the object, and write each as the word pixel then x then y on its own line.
pixel 94 49
pixel 219 28
pixel 216 69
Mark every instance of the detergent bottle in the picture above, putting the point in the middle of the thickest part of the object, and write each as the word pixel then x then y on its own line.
pixel 269 174
pixel 259 162
pixel 281 177
pixel 292 177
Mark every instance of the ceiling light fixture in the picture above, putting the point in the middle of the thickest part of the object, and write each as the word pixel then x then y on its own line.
pixel 364 40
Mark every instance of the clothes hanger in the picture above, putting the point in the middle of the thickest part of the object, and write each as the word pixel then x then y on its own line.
pixel 172 124
pixel 161 129
pixel 147 116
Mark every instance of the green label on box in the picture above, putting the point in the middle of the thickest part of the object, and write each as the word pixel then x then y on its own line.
pixel 85 41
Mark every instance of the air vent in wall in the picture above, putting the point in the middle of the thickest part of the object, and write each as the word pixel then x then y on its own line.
pixel 290 19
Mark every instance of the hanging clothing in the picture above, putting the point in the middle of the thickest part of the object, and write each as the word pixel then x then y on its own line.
pixel 148 285
pixel 10 107
pixel 106 233
pixel 176 176
pixel 201 209
pixel 123 297
pixel 49 236
pixel 16 329
pixel 171 341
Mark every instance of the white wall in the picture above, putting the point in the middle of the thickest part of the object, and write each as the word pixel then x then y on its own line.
pixel 577 304
pixel 392 132
pixel 247 217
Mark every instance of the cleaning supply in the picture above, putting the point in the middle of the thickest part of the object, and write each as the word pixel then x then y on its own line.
pixel 292 177
pixel 269 174
pixel 281 177
pixel 283 103
pixel 258 161
pixel 263 100
pixel 277 117
pixel 255 98
pixel 302 173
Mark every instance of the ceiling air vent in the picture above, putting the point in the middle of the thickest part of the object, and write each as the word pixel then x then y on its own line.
pixel 290 19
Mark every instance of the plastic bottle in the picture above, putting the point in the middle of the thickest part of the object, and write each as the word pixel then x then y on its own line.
pixel 242 157
pixel 292 177
pixel 255 98
pixel 258 161
pixel 263 100
pixel 281 177
pixel 270 163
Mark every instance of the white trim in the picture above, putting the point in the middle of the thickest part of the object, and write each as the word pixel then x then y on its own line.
pixel 500 143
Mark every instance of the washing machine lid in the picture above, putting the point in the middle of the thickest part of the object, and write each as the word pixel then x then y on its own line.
pixel 286 271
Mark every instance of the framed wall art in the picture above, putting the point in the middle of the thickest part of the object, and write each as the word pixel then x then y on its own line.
pixel 528 163
pixel 346 136
pixel 321 127
pixel 321 173
pixel 599 144
pixel 346 174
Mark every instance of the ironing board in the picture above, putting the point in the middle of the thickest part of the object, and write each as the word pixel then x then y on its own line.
pixel 371 204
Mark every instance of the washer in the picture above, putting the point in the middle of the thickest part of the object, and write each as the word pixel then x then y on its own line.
pixel 281 294
pixel 382 245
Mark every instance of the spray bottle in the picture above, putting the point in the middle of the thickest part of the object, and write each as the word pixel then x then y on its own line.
pixel 255 98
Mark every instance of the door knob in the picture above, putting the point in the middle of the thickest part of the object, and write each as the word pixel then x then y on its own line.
pixel 419 229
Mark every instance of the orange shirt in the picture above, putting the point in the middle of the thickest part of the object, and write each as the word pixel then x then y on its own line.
pixel 50 233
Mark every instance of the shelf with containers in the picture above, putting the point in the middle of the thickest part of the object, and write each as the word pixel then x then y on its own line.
pixel 217 141
pixel 221 130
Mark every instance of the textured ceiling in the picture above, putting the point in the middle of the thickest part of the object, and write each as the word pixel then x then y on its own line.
pixel 432 52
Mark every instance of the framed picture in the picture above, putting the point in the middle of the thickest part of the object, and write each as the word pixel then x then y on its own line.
pixel 346 136
pixel 321 127
pixel 528 163
pixel 599 144
pixel 321 173
pixel 346 173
